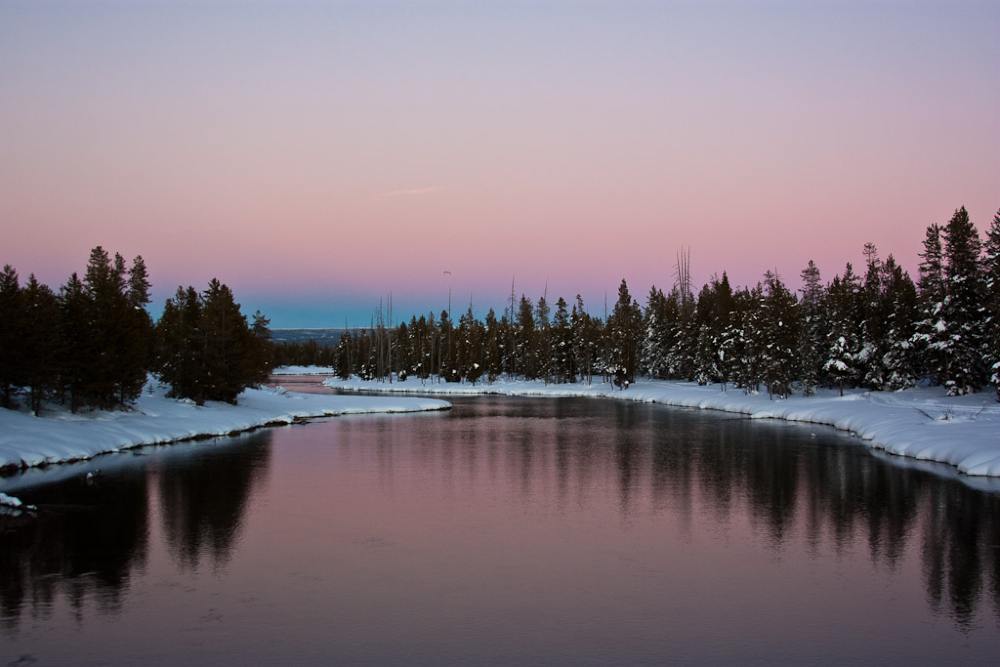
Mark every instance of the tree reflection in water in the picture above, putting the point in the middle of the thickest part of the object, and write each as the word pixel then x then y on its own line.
pixel 791 484
pixel 92 535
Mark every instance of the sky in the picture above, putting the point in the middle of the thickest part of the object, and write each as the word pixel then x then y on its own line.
pixel 317 156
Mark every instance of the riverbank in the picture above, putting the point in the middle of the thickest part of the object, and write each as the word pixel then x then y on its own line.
pixel 922 424
pixel 59 436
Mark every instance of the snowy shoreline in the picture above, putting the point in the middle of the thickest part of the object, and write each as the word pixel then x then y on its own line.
pixel 921 424
pixel 59 436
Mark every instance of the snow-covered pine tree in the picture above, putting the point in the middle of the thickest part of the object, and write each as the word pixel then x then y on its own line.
pixel 492 347
pixel 706 357
pixel 874 313
pixel 656 335
pixel 929 337
pixel 812 333
pixel 561 364
pixel 780 336
pixel 898 359
pixel 843 340
pixel 524 340
pixel 543 339
pixel 750 341
pixel 991 275
pixel 625 333
pixel 964 309
pixel 582 350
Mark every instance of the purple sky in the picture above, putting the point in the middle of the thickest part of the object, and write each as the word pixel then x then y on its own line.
pixel 317 155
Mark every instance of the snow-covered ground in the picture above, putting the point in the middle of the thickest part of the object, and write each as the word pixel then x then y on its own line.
pixel 303 370
pixel 923 424
pixel 59 436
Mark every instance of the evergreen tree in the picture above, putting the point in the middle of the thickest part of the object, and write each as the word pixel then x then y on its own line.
pixel 874 317
pixel 527 364
pixel 781 333
pixel 898 360
pixel 991 279
pixel 930 339
pixel 543 342
pixel 624 330
pixel 843 340
pixel 963 311
pixel 344 367
pixel 583 340
pixel 40 341
pixel 493 347
pixel 562 362
pixel 75 343
pixel 658 335
pixel 261 354
pixel 812 334
pixel 11 332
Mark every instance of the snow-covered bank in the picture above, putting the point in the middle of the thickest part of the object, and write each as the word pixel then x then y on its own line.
pixel 61 436
pixel 304 370
pixel 923 424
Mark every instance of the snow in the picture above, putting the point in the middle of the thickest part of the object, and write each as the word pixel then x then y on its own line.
pixel 9 501
pixel 920 423
pixel 59 436
pixel 304 370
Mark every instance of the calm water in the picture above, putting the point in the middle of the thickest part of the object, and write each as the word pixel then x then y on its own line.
pixel 511 531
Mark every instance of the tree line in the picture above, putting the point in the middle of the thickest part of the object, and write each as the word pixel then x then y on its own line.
pixel 92 344
pixel 875 328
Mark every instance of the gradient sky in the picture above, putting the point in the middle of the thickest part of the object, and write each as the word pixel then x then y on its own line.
pixel 316 155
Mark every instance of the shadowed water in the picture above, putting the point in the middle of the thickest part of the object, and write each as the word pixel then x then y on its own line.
pixel 505 531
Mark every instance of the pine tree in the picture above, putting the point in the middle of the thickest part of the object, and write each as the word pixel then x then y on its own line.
pixel 843 339
pixel 492 347
pixel 706 357
pixel 583 340
pixel 898 360
pixel 747 340
pixel 562 359
pixel 812 334
pixel 929 338
pixel 963 312
pixel 76 346
pixel 543 342
pixel 524 340
pixel 781 333
pixel 40 346
pixel 260 359
pixel 136 345
pixel 874 316
pixel 11 335
pixel 624 329
pixel 228 344
pixel 991 277
pixel 656 341
pixel 343 354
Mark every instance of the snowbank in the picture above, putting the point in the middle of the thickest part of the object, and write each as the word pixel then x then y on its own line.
pixel 61 436
pixel 923 424
pixel 304 370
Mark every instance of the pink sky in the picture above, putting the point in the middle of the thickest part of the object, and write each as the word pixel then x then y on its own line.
pixel 316 157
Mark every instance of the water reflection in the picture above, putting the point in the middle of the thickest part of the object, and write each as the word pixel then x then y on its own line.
pixel 91 536
pixel 788 489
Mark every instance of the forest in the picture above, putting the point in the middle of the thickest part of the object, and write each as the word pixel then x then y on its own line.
pixel 873 328
pixel 92 344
